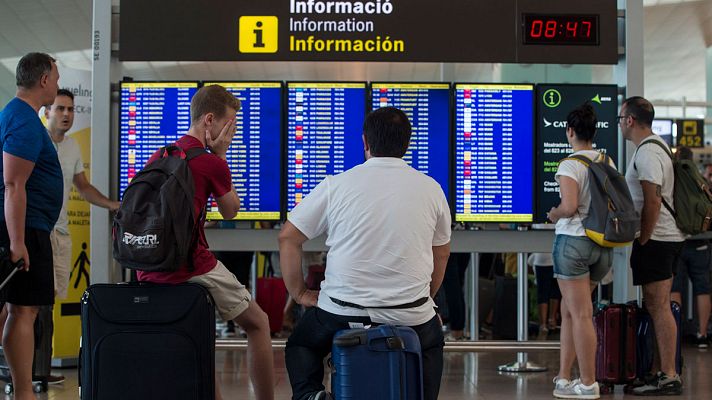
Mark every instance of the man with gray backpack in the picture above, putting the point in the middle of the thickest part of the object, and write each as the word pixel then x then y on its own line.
pixel 651 180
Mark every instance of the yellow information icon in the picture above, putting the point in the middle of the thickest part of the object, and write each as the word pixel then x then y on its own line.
pixel 258 34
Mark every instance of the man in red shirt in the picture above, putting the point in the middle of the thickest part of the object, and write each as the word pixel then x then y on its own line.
pixel 213 112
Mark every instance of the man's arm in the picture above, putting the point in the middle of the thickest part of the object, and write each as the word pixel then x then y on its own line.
pixel 229 203
pixel 290 259
pixel 440 256
pixel 92 194
pixel 652 200
pixel 16 171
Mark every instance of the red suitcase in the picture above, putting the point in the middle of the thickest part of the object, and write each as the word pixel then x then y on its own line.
pixel 272 297
pixel 616 351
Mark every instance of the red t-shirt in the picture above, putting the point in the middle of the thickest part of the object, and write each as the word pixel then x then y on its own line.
pixel 211 176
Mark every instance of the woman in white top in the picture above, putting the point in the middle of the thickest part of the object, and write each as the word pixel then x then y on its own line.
pixel 579 263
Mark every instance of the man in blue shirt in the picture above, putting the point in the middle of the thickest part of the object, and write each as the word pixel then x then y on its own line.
pixel 31 199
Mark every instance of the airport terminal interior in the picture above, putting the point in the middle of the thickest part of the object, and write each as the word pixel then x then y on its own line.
pixel 487 87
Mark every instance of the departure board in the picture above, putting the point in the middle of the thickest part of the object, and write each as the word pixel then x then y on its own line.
pixel 255 155
pixel 427 106
pixel 494 151
pixel 554 103
pixel 153 115
pixel 324 128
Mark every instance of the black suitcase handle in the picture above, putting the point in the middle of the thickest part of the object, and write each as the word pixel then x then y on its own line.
pixel 5 258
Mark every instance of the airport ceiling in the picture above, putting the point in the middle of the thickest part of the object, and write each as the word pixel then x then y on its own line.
pixel 677 33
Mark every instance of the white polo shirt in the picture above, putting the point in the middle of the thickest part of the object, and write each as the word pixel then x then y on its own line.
pixel 651 163
pixel 70 159
pixel 382 219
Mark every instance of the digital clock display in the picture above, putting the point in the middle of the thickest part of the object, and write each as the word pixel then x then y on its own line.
pixel 562 29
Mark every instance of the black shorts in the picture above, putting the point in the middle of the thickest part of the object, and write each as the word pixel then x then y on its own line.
pixel 654 262
pixel 36 286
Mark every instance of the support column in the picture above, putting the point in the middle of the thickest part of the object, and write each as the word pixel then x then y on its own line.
pixel 100 255
pixel 629 76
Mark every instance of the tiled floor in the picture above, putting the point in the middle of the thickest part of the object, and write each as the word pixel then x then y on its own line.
pixel 466 376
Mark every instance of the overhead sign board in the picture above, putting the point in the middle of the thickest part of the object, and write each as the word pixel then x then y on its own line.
pixel 690 132
pixel 368 30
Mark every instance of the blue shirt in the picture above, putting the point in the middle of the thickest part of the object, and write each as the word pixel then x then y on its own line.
pixel 23 135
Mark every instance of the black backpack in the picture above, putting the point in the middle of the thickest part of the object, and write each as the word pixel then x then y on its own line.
pixel 154 229
pixel 612 220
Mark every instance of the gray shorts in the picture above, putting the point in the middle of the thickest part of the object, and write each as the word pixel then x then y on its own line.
pixel 578 257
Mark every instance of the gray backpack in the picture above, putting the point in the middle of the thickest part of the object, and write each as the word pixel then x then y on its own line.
pixel 612 220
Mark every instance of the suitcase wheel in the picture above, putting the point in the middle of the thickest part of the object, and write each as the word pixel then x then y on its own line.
pixel 39 387
pixel 606 388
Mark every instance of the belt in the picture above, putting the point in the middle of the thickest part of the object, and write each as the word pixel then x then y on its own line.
pixel 413 304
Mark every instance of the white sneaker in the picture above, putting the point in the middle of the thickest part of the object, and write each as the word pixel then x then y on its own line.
pixel 576 390
pixel 560 383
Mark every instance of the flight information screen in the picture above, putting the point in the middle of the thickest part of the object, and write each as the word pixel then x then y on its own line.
pixel 494 150
pixel 153 115
pixel 255 155
pixel 427 106
pixel 554 103
pixel 664 128
pixel 324 124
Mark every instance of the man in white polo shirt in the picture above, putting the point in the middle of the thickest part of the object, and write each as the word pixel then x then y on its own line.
pixel 388 230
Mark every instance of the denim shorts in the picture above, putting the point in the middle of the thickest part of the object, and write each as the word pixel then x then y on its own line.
pixel 578 257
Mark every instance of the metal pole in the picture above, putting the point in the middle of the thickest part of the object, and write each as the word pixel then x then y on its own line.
pixel 522 364
pixel 522 299
pixel 253 276
pixel 474 275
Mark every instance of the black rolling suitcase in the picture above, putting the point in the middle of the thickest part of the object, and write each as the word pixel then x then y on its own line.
pixel 143 341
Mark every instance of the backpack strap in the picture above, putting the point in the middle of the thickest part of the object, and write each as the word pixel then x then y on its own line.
pixel 194 152
pixel 672 159
pixel 579 158
pixel 189 155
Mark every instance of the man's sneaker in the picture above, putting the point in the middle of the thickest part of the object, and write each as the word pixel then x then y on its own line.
pixel 702 342
pixel 662 385
pixel 577 390
pixel 321 395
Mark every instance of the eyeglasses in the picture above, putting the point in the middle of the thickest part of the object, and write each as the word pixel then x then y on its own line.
pixel 620 117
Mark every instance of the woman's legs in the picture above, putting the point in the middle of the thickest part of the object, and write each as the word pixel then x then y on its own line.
pixel 577 329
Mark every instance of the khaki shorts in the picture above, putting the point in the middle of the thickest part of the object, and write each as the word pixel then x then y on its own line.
pixel 230 296
pixel 62 259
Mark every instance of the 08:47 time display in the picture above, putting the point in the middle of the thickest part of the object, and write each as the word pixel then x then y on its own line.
pixel 560 29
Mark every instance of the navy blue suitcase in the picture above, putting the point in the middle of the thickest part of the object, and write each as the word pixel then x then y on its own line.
pixel 646 342
pixel 144 341
pixel 379 363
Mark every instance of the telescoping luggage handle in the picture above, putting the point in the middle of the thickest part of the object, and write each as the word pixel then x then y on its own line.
pixel 360 337
pixel 5 259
